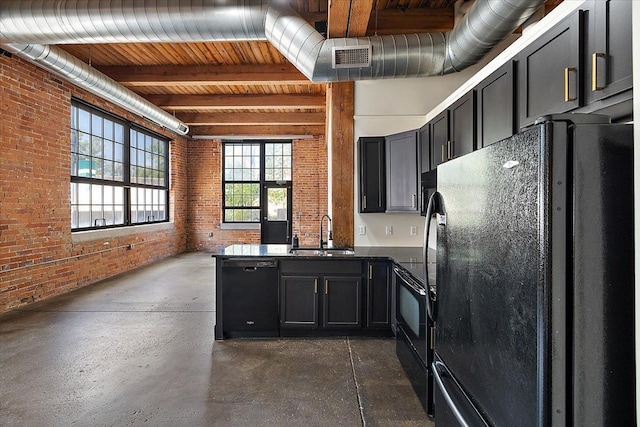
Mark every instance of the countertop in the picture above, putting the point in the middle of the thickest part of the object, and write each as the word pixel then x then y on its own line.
pixel 410 258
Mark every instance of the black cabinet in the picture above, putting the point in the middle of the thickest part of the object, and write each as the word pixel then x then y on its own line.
pixel 341 302
pixel 453 132
pixel 462 126
pixel 496 110
pixel 378 295
pixel 372 174
pixel 609 59
pixel 299 301
pixel 402 172
pixel 320 294
pixel 439 134
pixel 424 148
pixel 549 72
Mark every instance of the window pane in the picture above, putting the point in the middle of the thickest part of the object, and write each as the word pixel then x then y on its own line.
pixel 84 143
pixel 119 133
pixel 84 121
pixel 108 129
pixel 96 125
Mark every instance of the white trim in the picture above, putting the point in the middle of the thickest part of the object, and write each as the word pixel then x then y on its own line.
pixel 239 226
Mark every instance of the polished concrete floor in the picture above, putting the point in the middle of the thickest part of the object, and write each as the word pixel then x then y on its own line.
pixel 138 349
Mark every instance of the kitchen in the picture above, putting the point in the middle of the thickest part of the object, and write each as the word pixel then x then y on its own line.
pixel 400 223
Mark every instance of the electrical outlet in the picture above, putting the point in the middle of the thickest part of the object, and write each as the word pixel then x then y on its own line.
pixel 413 231
pixel 388 230
pixel 363 230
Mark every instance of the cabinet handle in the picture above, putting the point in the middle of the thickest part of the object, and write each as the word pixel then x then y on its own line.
pixel 326 287
pixel 432 333
pixel 413 201
pixel 442 154
pixel 567 97
pixel 315 286
pixel 594 71
pixel 449 150
pixel 370 272
pixel 364 201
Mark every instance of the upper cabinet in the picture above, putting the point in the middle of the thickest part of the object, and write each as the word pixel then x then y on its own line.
pixel 453 132
pixel 496 109
pixel 439 134
pixel 462 126
pixel 425 150
pixel 609 59
pixel 549 72
pixel 402 172
pixel 372 174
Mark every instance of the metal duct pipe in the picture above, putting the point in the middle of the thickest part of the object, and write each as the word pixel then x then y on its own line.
pixel 416 55
pixel 63 64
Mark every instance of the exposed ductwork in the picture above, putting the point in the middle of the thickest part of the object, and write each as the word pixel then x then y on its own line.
pixel 94 21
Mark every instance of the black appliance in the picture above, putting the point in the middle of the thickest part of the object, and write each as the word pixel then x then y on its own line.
pixel 249 298
pixel 534 306
pixel 413 333
pixel 428 184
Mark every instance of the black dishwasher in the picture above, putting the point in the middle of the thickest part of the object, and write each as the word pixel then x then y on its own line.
pixel 249 297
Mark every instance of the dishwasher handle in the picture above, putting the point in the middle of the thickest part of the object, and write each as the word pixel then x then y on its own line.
pixel 249 264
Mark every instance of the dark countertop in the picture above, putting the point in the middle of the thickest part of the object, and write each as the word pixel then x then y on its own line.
pixel 410 258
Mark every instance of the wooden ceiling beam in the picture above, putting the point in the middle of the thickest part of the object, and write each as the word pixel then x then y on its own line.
pixel 233 119
pixel 240 102
pixel 408 21
pixel 200 75
pixel 257 130
pixel 359 17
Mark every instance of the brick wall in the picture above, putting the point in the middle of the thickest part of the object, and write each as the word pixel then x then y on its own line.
pixel 205 195
pixel 38 257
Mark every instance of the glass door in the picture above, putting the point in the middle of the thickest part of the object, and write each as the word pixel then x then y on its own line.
pixel 276 214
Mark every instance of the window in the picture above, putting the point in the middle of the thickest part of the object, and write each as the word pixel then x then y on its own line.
pixel 119 173
pixel 248 166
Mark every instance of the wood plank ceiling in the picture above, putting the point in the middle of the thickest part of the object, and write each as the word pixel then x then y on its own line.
pixel 249 88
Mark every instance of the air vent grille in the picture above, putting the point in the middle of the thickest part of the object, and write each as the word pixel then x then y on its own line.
pixel 351 56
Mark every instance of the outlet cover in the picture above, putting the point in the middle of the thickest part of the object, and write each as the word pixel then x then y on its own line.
pixel 413 231
pixel 388 230
pixel 363 230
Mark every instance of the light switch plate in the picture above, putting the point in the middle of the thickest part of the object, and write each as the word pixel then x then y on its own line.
pixel 413 231
pixel 388 230
pixel 363 230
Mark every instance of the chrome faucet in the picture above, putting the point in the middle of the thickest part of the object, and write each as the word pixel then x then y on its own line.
pixel 329 235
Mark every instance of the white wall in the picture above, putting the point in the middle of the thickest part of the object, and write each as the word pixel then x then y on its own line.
pixel 385 107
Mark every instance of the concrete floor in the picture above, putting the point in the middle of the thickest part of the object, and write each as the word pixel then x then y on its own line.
pixel 138 349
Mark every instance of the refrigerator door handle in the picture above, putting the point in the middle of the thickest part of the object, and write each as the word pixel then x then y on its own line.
pixel 435 206
pixel 440 374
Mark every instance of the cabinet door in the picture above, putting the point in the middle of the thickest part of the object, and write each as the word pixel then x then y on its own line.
pixel 462 126
pixel 402 172
pixel 425 151
pixel 439 134
pixel 372 174
pixel 549 72
pixel 378 295
pixel 341 302
pixel 299 301
pixel 496 106
pixel 610 62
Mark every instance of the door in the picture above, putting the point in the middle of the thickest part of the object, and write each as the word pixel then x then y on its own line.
pixel 610 59
pixel 462 126
pixel 496 109
pixel 276 213
pixel 439 138
pixel 402 172
pixel 549 72
pixel 299 301
pixel 372 175
pixel 341 302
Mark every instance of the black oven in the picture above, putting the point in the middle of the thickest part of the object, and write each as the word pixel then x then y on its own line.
pixel 413 332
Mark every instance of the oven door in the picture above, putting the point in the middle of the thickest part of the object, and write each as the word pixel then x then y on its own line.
pixel 412 346
pixel 411 311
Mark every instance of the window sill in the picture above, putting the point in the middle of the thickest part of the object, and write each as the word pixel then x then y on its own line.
pixel 87 236
pixel 239 226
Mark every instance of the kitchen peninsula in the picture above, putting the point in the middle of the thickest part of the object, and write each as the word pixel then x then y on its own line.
pixel 277 290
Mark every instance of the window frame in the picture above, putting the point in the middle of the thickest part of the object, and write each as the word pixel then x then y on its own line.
pixel 125 184
pixel 262 182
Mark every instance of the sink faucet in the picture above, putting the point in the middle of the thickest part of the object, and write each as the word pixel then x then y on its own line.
pixel 329 235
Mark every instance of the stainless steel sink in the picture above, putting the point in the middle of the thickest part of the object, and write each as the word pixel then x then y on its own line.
pixel 321 251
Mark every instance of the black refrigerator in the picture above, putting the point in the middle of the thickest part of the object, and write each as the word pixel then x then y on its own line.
pixel 534 302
